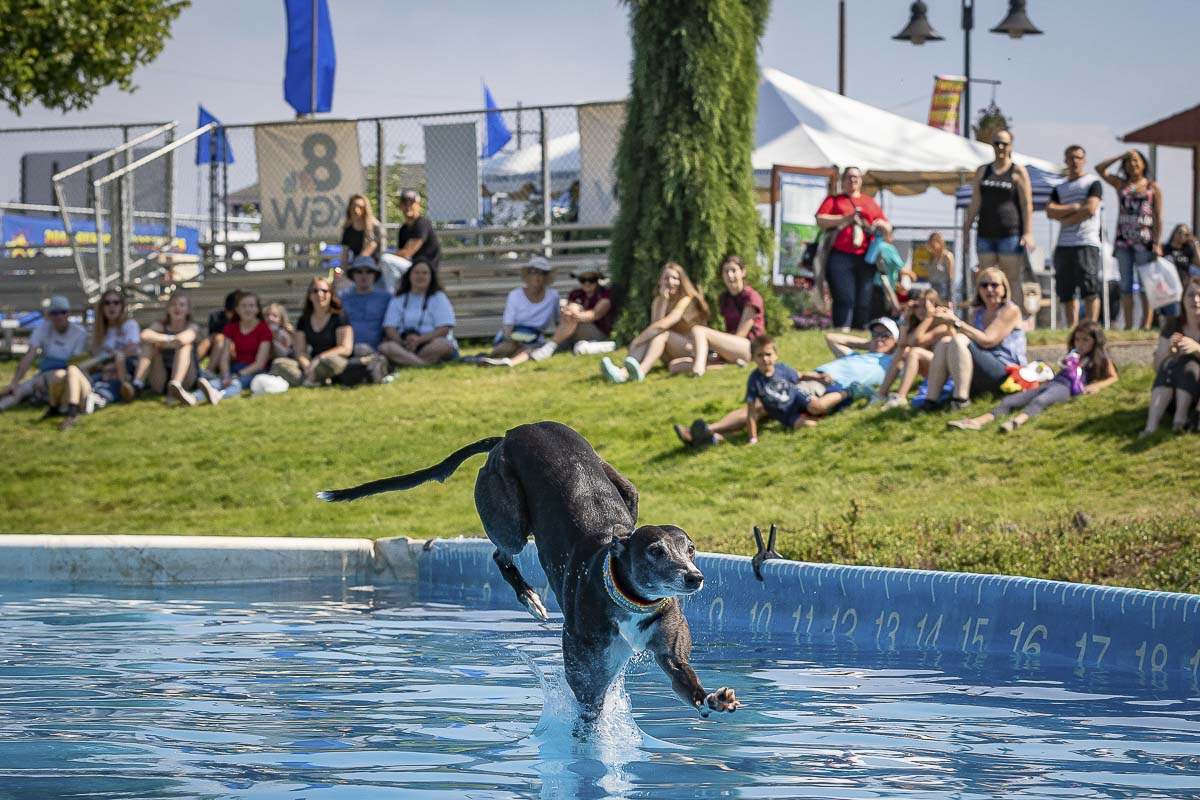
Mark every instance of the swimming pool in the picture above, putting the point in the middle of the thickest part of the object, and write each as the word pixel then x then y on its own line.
pixel 440 688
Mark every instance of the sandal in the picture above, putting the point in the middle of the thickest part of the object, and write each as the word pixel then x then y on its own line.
pixel 965 425
pixel 679 431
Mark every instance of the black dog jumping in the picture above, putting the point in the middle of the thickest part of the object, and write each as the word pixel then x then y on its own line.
pixel 616 584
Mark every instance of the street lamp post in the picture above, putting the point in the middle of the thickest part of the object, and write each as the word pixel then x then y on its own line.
pixel 918 31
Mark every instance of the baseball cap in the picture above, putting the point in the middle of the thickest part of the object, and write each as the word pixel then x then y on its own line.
pixel 888 323
pixel 538 263
pixel 59 303
pixel 408 195
pixel 365 262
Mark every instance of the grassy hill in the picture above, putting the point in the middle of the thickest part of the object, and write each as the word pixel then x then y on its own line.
pixel 1073 495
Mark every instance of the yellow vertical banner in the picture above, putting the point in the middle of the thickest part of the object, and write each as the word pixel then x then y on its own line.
pixel 946 102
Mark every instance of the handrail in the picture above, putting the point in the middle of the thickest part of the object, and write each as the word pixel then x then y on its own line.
pixel 58 176
pixel 141 162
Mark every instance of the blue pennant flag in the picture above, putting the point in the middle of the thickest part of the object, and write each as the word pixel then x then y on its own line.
pixel 205 153
pixel 497 134
pixel 298 70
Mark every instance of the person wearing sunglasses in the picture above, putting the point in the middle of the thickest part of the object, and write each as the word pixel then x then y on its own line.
pixel 53 344
pixel 324 339
pixel 1002 200
pixel 586 321
pixel 1139 225
pixel 976 355
pixel 118 338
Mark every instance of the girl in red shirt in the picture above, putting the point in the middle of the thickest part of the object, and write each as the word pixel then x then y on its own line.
pixel 246 352
pixel 741 307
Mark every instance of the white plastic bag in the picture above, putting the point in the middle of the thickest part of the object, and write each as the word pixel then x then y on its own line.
pixel 1160 282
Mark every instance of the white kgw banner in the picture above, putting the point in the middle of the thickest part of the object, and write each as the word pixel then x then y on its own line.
pixel 306 175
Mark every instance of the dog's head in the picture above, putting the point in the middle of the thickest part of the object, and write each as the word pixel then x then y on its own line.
pixel 658 561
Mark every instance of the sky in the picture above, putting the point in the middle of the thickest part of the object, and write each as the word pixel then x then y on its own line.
pixel 1102 68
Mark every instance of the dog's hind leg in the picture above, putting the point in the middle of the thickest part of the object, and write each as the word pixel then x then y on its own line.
pixel 501 506
pixel 624 488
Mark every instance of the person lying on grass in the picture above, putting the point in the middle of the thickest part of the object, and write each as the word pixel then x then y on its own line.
pixel 1087 369
pixel 797 399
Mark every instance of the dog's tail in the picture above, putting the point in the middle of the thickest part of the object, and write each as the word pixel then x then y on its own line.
pixel 438 472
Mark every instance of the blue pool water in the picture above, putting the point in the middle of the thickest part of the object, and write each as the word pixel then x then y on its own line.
pixel 341 692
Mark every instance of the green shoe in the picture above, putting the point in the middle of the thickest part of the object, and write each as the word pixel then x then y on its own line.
pixel 634 368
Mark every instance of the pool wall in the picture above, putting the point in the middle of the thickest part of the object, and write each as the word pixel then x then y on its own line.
pixel 1153 634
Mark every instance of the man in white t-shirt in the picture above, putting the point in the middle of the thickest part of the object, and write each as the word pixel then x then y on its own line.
pixel 1075 203
pixel 55 342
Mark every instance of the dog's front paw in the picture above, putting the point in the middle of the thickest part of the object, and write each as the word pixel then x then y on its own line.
pixel 533 604
pixel 720 700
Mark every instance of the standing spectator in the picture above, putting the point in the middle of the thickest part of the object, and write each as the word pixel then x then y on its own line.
pixel 246 352
pixel 976 354
pixel 1177 365
pixel 282 333
pixel 324 339
pixel 741 308
pixel 677 308
pixel 169 361
pixel 1075 203
pixel 419 326
pixel 365 305
pixel 941 267
pixel 1003 200
pixel 211 345
pixel 1183 250
pixel 586 320
pixel 1139 225
pixel 528 312
pixel 54 343
pixel 362 233
pixel 418 241
pixel 118 337
pixel 850 217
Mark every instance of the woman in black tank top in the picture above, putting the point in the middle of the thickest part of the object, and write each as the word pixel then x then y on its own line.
pixel 1003 202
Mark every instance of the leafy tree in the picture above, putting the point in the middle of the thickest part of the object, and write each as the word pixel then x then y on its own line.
pixel 61 53
pixel 684 178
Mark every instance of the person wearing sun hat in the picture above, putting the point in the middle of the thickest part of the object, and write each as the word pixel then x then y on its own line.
pixel 529 311
pixel 587 318
pixel 365 304
pixel 53 343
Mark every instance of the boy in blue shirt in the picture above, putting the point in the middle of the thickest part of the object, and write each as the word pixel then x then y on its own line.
pixel 777 391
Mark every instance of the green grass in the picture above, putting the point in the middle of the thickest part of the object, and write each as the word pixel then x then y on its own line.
pixel 864 487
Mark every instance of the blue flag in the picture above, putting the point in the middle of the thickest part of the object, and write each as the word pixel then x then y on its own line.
pixel 496 134
pixel 298 70
pixel 205 153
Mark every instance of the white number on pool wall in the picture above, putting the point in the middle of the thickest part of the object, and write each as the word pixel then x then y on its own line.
pixel 934 632
pixel 893 625
pixel 1030 647
pixel 1158 657
pixel 799 615
pixel 1096 638
pixel 850 614
pixel 975 640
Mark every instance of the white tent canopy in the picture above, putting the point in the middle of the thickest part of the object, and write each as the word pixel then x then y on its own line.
pixel 803 125
pixel 508 171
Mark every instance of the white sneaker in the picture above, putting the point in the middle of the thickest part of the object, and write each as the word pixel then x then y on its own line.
pixel 543 352
pixel 211 392
pixel 496 362
pixel 176 392
pixel 93 403
pixel 589 348
pixel 876 399
pixel 894 401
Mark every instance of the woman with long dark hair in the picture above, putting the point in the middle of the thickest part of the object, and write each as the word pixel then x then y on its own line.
pixel 418 329
pixel 324 340
pixel 1139 224
pixel 1177 365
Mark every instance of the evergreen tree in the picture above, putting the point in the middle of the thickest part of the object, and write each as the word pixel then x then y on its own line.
pixel 684 178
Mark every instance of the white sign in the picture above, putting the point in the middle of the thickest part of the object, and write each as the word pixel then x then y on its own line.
pixel 451 172
pixel 306 176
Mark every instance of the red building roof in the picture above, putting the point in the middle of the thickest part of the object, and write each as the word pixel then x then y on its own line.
pixel 1178 130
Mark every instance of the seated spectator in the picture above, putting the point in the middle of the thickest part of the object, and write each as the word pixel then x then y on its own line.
pixel 418 329
pixel 586 320
pixel 798 399
pixel 365 305
pixel 678 307
pixel 209 346
pixel 169 362
pixel 283 344
pixel 362 233
pixel 1087 368
pixel 529 311
pixel 941 266
pixel 324 340
pixel 891 282
pixel 69 392
pixel 116 337
pixel 53 344
pixel 914 351
pixel 245 353
pixel 741 307
pixel 1177 365
pixel 976 354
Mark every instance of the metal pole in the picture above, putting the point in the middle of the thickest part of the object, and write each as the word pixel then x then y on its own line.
pixel 224 193
pixel 519 131
pixel 127 209
pixel 842 47
pixel 546 189
pixel 171 190
pixel 381 176
pixel 312 109
pixel 98 213
pixel 1195 189
pixel 212 196
pixel 968 23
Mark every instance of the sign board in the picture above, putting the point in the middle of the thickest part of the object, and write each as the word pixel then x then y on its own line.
pixel 26 236
pixel 946 101
pixel 797 195
pixel 306 176
pixel 452 184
